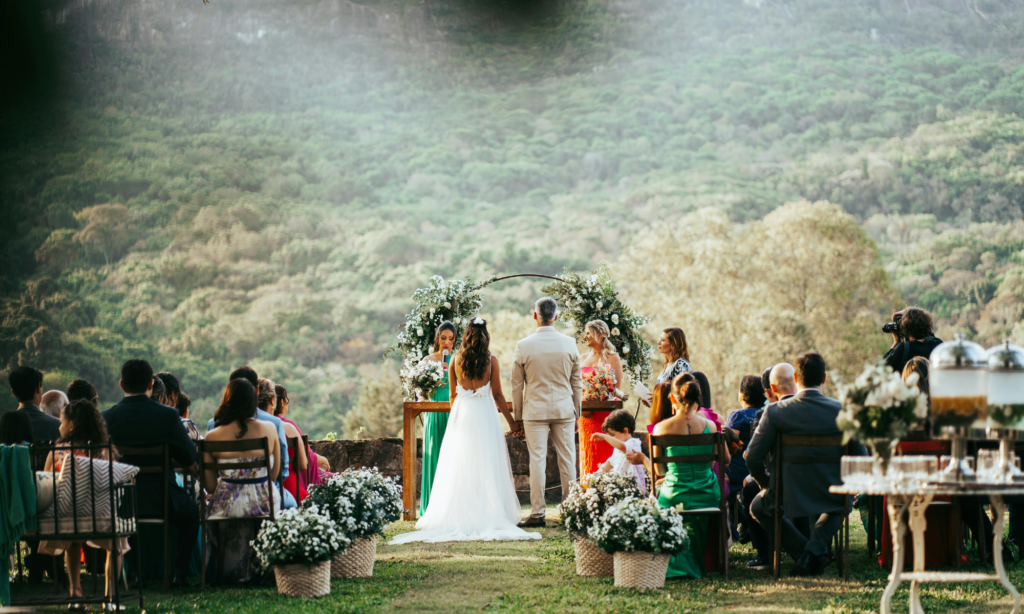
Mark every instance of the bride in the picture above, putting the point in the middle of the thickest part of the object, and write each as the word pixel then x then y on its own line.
pixel 473 498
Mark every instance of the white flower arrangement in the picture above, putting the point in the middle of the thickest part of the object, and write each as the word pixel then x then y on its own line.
pixel 455 300
pixel 361 502
pixel 639 525
pixel 596 299
pixel 591 497
pixel 880 405
pixel 304 535
pixel 420 378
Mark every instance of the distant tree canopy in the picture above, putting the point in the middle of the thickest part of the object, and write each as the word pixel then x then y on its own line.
pixel 208 200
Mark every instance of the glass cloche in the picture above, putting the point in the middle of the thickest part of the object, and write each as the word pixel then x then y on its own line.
pixel 1006 386
pixel 958 379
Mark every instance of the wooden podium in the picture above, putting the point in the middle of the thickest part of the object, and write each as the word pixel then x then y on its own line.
pixel 415 408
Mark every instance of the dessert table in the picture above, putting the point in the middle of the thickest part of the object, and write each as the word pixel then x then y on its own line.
pixel 908 508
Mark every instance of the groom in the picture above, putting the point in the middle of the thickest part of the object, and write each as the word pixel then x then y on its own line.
pixel 547 392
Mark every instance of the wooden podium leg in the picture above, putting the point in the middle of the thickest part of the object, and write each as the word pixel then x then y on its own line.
pixel 409 465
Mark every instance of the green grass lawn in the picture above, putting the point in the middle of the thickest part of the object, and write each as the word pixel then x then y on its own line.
pixel 539 576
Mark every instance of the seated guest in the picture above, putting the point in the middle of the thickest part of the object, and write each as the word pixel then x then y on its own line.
pixel 267 402
pixel 808 412
pixel 159 393
pixel 692 484
pixel 172 388
pixel 80 425
pixel 317 464
pixel 239 493
pixel 750 530
pixel 27 386
pixel 53 402
pixel 752 399
pixel 661 405
pixel 184 402
pixel 139 421
pixel 249 374
pixel 16 429
pixel 81 389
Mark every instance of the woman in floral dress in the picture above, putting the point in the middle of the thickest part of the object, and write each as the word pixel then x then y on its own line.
pixel 239 493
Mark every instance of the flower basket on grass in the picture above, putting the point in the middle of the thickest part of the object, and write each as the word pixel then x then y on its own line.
pixel 362 503
pixel 583 508
pixel 299 545
pixel 879 408
pixel 643 537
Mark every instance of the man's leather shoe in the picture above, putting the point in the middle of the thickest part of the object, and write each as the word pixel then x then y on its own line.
pixel 532 521
pixel 804 565
pixel 819 563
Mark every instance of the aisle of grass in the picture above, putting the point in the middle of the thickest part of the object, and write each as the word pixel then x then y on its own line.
pixel 539 576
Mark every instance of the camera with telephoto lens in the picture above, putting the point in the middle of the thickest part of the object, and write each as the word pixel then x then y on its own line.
pixel 894 326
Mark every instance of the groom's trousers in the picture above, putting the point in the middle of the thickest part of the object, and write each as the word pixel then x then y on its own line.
pixel 562 433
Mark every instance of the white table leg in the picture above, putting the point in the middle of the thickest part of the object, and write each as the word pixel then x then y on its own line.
pixel 997 550
pixel 895 504
pixel 918 524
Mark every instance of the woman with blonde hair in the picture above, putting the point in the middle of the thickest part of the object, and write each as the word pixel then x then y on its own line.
pixel 602 360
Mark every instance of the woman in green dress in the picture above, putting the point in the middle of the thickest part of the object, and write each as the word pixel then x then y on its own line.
pixel 433 429
pixel 692 484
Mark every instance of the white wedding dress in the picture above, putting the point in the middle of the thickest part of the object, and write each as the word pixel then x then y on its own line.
pixel 473 497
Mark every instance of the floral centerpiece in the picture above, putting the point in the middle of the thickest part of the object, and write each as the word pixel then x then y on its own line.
pixel 298 546
pixel 642 537
pixel 420 378
pixel 583 299
pixel 582 509
pixel 362 503
pixel 879 407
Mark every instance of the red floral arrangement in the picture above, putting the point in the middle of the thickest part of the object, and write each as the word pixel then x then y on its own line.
pixel 599 384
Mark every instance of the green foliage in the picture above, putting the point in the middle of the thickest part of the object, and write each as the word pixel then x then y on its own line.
pixel 208 200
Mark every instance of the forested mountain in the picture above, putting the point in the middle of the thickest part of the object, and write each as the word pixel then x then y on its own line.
pixel 268 182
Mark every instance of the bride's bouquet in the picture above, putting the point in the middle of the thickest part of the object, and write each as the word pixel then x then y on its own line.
pixel 599 384
pixel 421 378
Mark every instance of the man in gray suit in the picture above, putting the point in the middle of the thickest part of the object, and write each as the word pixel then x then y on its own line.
pixel 547 396
pixel 805 485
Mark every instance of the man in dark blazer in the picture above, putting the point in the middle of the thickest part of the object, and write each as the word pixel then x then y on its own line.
pixel 805 491
pixel 138 421
pixel 27 386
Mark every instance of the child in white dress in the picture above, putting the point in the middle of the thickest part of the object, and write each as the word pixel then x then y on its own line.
pixel 618 433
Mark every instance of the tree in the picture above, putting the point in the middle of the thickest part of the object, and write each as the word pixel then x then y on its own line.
pixel 107 228
pixel 804 278
pixel 378 409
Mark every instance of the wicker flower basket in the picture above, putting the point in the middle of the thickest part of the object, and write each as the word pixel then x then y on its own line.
pixel 356 561
pixel 591 560
pixel 640 569
pixel 306 581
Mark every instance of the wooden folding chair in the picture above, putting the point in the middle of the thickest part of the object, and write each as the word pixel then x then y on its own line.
pixel 243 445
pixel 156 460
pixel 842 538
pixel 717 443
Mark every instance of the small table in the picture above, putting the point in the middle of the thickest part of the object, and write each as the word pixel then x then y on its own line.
pixel 915 505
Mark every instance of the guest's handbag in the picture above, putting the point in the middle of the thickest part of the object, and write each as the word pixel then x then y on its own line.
pixel 44 491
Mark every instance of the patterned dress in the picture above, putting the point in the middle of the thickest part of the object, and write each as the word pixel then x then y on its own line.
pixel 433 433
pixel 240 493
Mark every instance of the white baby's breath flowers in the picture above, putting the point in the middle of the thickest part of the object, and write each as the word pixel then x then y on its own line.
pixel 639 525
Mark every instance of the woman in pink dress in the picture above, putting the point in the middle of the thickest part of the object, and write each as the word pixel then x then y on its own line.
pixel 601 362
pixel 316 463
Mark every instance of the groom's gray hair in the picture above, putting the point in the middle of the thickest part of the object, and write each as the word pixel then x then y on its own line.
pixel 546 309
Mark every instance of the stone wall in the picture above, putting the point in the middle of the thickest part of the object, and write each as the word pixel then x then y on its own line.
pixel 386 455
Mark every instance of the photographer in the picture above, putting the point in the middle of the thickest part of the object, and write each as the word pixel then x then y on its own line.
pixel 912 336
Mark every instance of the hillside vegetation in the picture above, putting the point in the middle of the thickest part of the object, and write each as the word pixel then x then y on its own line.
pixel 207 197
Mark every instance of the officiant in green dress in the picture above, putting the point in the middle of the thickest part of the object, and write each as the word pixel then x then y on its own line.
pixel 435 423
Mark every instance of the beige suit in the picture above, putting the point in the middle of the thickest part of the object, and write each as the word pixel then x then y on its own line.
pixel 547 395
